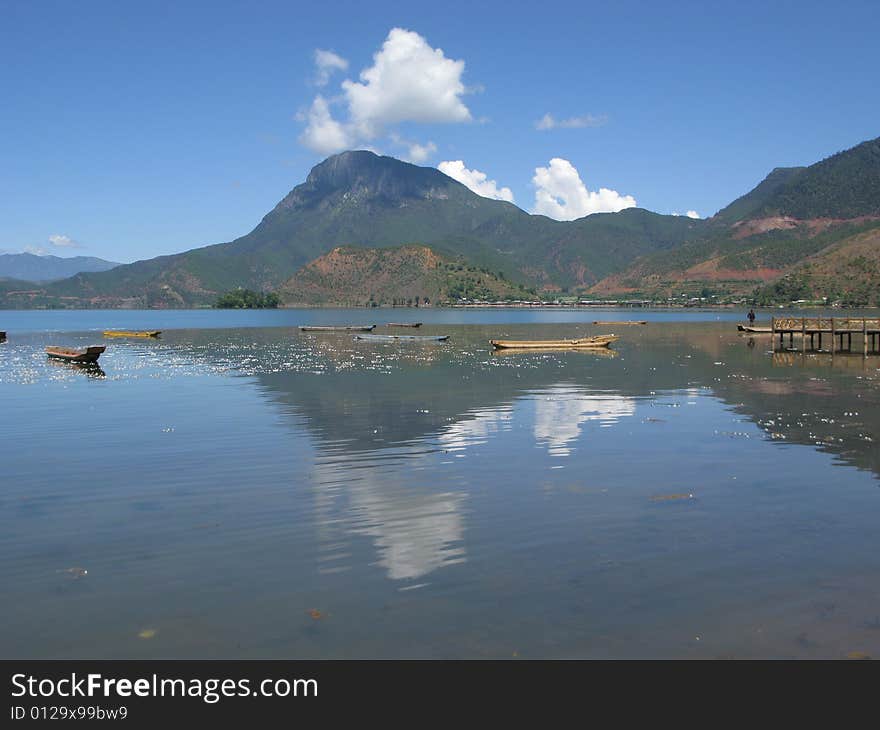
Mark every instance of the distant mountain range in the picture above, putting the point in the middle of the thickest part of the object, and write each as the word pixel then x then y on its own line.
pixel 781 232
pixel 30 267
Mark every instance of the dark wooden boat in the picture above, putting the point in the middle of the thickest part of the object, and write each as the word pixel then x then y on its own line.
pixel 341 328
pixel 2 337
pixel 68 354
pixel 405 338
pixel 404 324
pixel 753 330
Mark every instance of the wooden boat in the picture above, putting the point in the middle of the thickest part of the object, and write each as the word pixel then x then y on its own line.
pixel 129 333
pixel 597 341
pixel 623 322
pixel 404 324
pixel 753 330
pixel 85 354
pixel 2 337
pixel 405 338
pixel 603 352
pixel 341 328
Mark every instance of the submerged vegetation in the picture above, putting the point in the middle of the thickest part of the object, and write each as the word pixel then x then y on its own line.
pixel 247 299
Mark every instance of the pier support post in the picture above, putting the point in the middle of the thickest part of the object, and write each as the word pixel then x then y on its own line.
pixel 864 338
pixel 832 335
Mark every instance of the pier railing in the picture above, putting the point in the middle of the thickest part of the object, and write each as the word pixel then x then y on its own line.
pixel 814 328
pixel 825 324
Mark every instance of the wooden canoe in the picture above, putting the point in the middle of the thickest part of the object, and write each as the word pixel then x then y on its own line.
pixel 623 322
pixel 129 333
pixel 404 324
pixel 405 338
pixel 85 354
pixel 605 352
pixel 598 341
pixel 753 330
pixel 341 328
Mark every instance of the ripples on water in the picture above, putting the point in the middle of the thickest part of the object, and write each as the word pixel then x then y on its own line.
pixel 270 493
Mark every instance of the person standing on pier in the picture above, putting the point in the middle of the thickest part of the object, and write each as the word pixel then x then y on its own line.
pixel 751 316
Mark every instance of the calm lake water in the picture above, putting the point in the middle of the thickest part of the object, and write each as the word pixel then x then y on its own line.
pixel 238 489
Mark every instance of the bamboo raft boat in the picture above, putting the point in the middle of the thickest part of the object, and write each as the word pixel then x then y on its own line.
pixel 404 324
pixel 623 323
pixel 340 328
pixel 82 355
pixel 753 330
pixel 405 338
pixel 597 341
pixel 131 333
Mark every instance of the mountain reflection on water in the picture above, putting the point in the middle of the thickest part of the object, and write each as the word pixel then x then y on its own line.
pixel 440 500
pixel 463 387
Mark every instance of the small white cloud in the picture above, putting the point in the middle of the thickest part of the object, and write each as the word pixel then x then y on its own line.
pixel 61 241
pixel 326 62
pixel 475 180
pixel 324 134
pixel 36 250
pixel 415 152
pixel 409 81
pixel 692 214
pixel 561 194
pixel 548 121
pixel 420 152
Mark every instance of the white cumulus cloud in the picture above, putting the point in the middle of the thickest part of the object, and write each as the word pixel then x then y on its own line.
pixel 324 134
pixel 689 214
pixel 548 121
pixel 420 152
pixel 326 62
pixel 415 152
pixel 475 180
pixel 61 241
pixel 561 194
pixel 409 81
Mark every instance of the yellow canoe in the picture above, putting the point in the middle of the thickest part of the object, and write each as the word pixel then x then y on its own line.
pixel 598 341
pixel 127 333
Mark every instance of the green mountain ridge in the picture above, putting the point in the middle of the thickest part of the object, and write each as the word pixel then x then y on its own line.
pixel 792 215
pixel 750 204
pixel 358 199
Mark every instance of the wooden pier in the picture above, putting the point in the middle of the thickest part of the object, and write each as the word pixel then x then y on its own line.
pixel 840 328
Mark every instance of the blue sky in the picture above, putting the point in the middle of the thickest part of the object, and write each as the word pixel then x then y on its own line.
pixel 134 130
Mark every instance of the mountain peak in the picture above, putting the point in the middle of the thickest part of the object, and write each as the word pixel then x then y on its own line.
pixel 358 167
pixel 363 175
